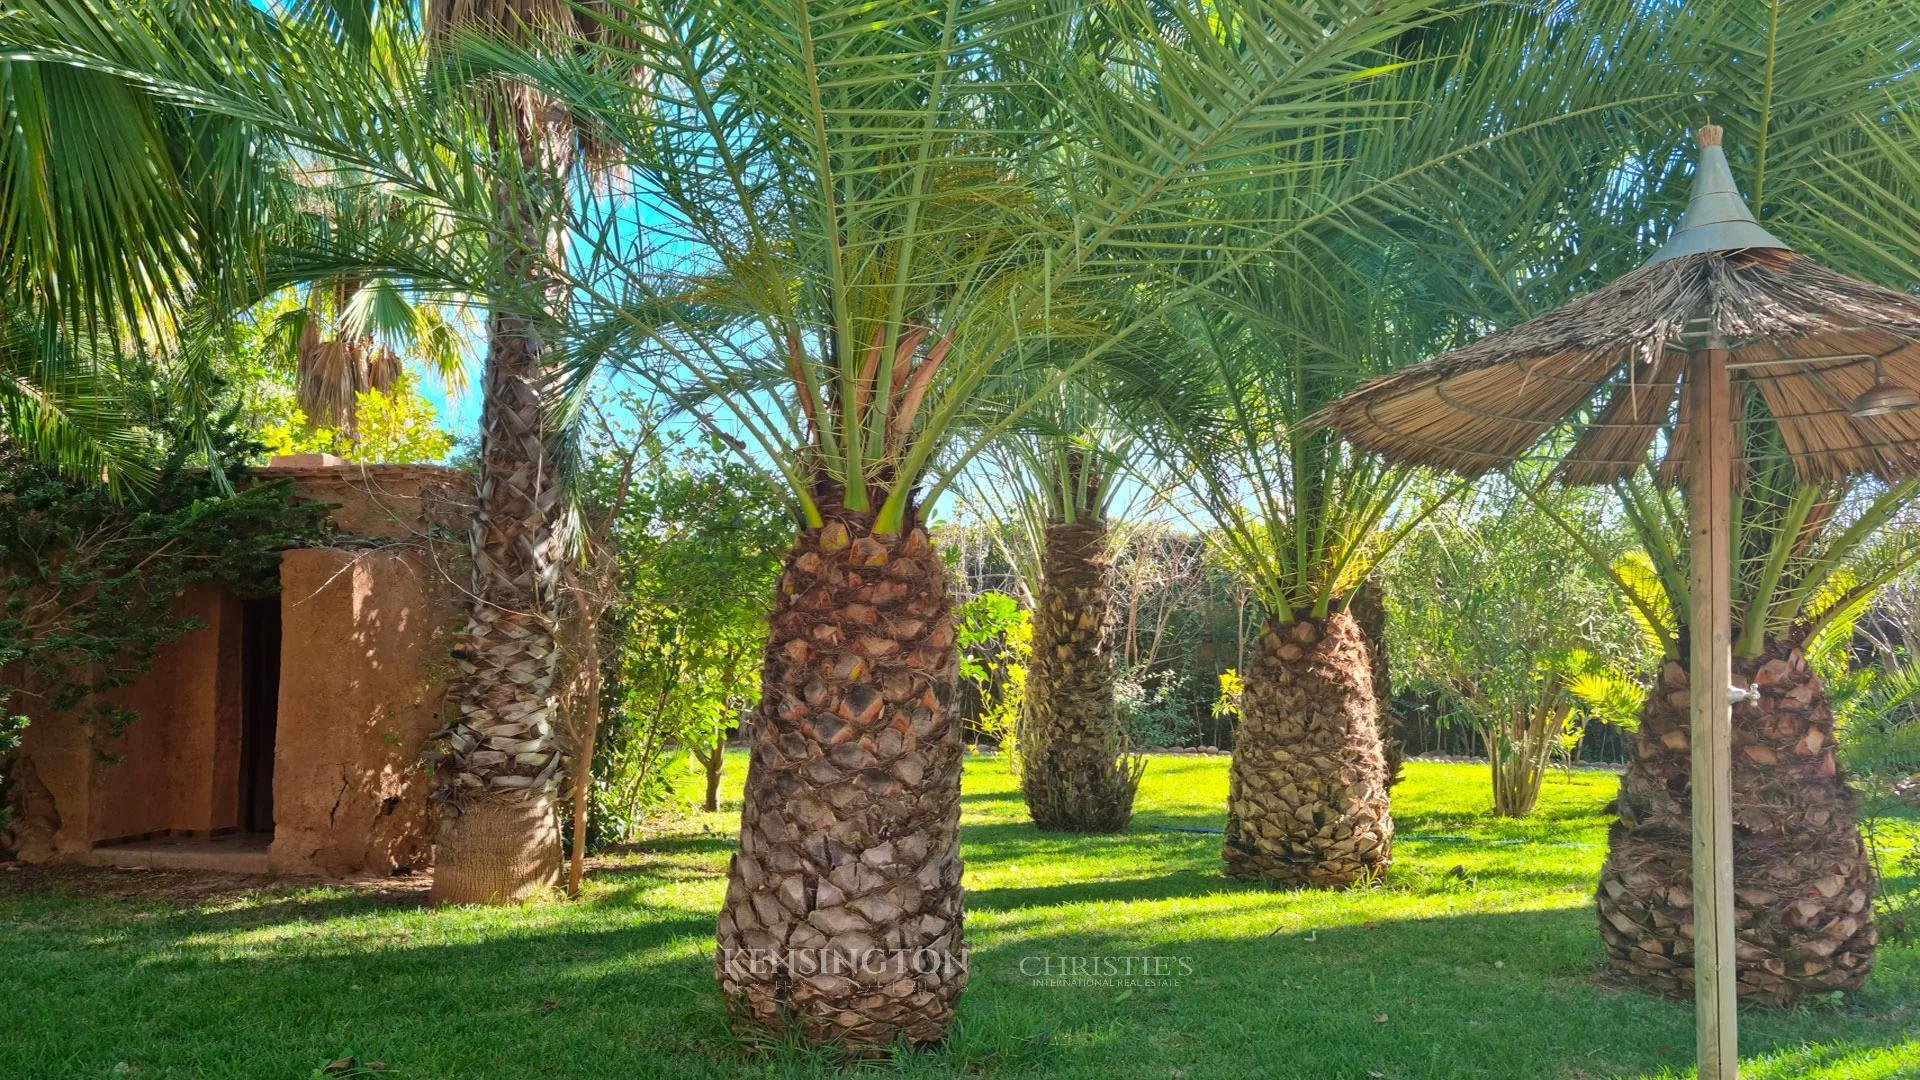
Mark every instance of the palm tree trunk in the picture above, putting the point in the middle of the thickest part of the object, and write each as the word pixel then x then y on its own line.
pixel 843 913
pixel 499 830
pixel 1307 799
pixel 1803 883
pixel 1075 770
pixel 1369 609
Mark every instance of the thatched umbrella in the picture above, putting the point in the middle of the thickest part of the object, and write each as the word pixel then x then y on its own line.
pixel 1723 309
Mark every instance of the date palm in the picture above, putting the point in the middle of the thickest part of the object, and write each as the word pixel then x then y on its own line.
pixel 1809 558
pixel 1817 106
pixel 865 240
pixel 1304 522
pixel 1304 519
pixel 1053 485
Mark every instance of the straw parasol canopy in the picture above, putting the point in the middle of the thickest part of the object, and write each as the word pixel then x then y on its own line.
pixel 1835 359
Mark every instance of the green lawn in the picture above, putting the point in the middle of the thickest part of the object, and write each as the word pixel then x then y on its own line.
pixel 1478 959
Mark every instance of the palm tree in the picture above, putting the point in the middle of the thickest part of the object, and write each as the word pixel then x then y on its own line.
pixel 499 777
pixel 1818 106
pixel 862 249
pixel 354 335
pixel 847 228
pixel 1305 522
pixel 1054 483
pixel 123 214
pixel 1809 558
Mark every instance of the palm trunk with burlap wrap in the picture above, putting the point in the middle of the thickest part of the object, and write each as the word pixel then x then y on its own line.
pixel 1075 770
pixel 1803 884
pixel 498 839
pixel 1307 799
pixel 843 911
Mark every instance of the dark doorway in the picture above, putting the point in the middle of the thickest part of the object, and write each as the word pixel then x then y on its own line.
pixel 259 710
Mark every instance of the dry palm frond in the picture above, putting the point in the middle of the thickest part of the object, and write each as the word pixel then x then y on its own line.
pixel 383 370
pixel 331 373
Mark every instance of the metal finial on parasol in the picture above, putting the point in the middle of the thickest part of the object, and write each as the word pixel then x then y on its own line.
pixel 1716 218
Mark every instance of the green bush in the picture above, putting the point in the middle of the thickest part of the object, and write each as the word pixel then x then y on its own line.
pixel 699 539
pixel 1154 712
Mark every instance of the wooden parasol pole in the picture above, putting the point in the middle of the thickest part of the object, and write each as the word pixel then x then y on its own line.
pixel 1710 393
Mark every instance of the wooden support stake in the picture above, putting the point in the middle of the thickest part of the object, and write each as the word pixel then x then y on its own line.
pixel 1715 979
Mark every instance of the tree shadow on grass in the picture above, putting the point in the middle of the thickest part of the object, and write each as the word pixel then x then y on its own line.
pixel 1498 994
pixel 1174 885
pixel 1557 821
pixel 636 998
pixel 598 989
pixel 696 843
pixel 1010 796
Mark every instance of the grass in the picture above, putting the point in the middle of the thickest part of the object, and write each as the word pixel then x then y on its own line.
pixel 1479 959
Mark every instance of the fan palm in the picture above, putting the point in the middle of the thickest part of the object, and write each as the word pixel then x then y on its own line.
pixel 499 836
pixel 119 212
pixel 349 333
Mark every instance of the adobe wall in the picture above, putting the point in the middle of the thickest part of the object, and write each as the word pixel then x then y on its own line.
pixel 378 502
pixel 173 767
pixel 176 766
pixel 363 670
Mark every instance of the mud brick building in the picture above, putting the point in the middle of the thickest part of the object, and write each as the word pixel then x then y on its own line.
pixel 287 735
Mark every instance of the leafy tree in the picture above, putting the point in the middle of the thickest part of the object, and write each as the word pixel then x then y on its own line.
pixel 1496 610
pixel 397 424
pixel 698 541
pixel 995 636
